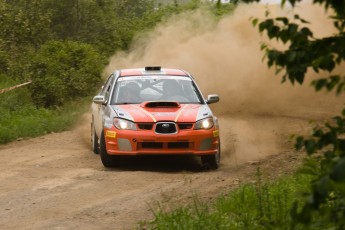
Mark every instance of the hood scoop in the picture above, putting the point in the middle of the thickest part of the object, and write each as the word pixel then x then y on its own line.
pixel 160 104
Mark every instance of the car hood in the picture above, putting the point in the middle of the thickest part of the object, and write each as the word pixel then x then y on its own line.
pixel 177 113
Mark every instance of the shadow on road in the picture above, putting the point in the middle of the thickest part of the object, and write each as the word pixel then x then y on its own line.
pixel 158 163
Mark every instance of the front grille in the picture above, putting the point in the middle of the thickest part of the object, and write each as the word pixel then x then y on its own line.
pixel 178 145
pixel 145 126
pixel 166 128
pixel 164 145
pixel 185 125
pixel 152 145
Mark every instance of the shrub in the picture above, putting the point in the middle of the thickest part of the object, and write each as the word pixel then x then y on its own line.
pixel 64 70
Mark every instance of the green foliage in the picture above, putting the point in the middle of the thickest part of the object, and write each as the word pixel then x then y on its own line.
pixel 328 190
pixel 12 100
pixel 93 22
pixel 304 51
pixel 62 71
pixel 330 83
pixel 222 9
pixel 106 24
pixel 253 206
pixel 24 23
pixel 4 57
pixel 29 121
pixel 24 26
pixel 20 118
pixel 325 204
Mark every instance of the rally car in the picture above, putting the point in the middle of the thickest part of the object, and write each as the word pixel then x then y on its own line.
pixel 151 111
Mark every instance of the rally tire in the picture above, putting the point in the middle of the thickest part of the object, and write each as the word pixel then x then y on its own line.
pixel 211 162
pixel 94 140
pixel 107 160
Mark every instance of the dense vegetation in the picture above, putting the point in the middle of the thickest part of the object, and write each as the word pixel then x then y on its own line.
pixel 62 47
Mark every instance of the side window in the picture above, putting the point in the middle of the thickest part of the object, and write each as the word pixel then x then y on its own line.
pixel 107 87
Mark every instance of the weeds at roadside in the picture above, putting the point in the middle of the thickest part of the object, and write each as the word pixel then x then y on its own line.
pixel 258 205
pixel 29 121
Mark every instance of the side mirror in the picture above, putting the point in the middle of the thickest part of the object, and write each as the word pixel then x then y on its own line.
pixel 99 100
pixel 212 98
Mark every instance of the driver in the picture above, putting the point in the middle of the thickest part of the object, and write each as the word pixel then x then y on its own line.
pixel 130 93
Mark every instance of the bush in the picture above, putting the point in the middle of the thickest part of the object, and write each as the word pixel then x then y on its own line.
pixel 62 71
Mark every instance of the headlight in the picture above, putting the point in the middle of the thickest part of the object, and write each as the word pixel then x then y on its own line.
pixel 124 124
pixel 204 124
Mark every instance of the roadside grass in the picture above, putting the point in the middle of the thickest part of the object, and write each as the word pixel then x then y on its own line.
pixel 19 118
pixel 28 121
pixel 259 205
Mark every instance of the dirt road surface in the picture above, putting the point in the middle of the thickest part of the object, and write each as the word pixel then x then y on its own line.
pixel 56 182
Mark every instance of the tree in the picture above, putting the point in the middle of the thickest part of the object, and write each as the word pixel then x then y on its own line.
pixel 24 26
pixel 325 205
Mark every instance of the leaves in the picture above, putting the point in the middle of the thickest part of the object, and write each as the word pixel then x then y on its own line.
pixel 327 142
pixel 330 83
pixel 327 195
pixel 304 50
pixel 331 177
pixel 61 71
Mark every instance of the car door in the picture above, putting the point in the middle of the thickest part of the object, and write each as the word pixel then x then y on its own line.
pixel 98 110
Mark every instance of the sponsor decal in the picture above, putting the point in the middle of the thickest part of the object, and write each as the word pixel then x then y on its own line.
pixel 216 133
pixel 110 134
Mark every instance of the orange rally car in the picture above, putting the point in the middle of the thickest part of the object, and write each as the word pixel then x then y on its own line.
pixel 154 111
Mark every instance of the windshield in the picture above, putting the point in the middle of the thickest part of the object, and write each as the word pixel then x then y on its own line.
pixel 135 90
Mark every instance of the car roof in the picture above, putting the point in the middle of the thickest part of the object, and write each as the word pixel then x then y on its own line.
pixel 152 71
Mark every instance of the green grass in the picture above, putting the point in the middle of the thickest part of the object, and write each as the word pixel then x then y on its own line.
pixel 28 121
pixel 252 206
pixel 19 118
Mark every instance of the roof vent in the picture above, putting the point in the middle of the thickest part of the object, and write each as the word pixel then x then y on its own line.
pixel 152 68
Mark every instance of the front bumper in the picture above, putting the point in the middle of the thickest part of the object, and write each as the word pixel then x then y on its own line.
pixel 146 142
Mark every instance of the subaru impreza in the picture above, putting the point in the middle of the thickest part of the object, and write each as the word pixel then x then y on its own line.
pixel 154 111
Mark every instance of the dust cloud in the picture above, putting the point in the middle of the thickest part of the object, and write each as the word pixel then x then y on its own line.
pixel 225 58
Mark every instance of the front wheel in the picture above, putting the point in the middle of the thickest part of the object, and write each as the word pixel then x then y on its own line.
pixel 94 140
pixel 107 160
pixel 211 161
